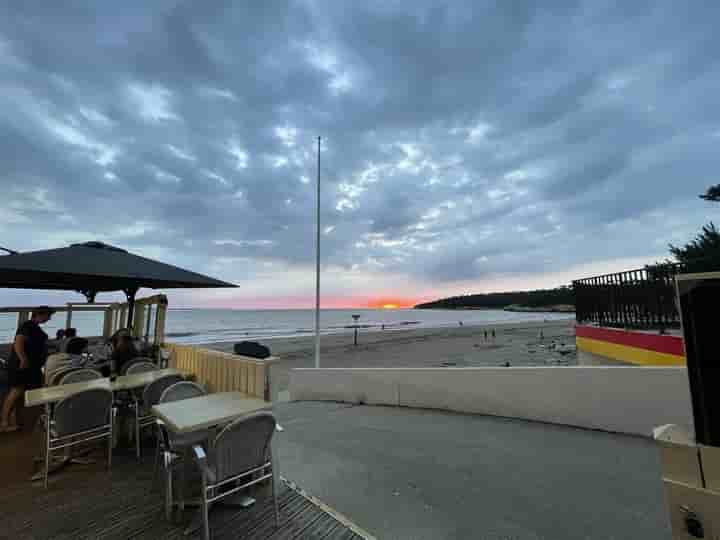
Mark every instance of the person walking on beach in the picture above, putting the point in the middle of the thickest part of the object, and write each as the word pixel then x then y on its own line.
pixel 493 334
pixel 485 333
pixel 27 357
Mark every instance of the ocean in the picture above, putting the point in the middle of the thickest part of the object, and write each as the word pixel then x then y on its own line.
pixel 198 326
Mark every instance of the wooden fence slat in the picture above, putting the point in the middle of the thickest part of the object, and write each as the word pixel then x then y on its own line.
pixel 220 372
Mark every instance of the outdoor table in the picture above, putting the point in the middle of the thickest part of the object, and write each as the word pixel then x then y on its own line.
pixel 49 395
pixel 204 412
pixel 138 380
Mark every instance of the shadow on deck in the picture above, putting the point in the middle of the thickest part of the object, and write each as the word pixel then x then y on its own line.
pixel 88 502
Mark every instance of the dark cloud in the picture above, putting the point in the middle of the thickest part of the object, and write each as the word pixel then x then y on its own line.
pixel 462 139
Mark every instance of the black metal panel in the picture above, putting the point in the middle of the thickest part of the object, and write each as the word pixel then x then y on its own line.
pixel 699 301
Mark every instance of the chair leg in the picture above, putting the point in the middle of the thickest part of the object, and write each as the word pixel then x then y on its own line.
pixel 137 430
pixel 168 488
pixel 275 503
pixel 275 478
pixel 47 448
pixel 111 437
pixel 205 511
pixel 157 464
pixel 181 483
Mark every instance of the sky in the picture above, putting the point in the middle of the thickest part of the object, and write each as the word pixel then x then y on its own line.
pixel 467 146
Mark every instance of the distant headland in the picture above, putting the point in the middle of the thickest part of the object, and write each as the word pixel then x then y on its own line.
pixel 558 300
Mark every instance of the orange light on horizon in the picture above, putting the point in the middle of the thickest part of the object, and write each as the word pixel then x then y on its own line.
pixel 390 303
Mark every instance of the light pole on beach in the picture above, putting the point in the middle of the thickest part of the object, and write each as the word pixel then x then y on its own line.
pixel 317 265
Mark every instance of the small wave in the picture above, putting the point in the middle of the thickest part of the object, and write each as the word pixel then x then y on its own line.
pixel 181 334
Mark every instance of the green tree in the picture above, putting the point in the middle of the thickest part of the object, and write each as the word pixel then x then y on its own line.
pixel 704 248
pixel 712 193
pixel 702 253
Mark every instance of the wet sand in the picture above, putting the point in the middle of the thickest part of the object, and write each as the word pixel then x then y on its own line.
pixel 516 343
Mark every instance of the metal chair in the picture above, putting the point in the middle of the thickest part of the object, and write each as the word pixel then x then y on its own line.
pixel 55 362
pixel 237 458
pixel 171 446
pixel 138 359
pixel 140 367
pixel 55 376
pixel 80 375
pixel 150 396
pixel 78 419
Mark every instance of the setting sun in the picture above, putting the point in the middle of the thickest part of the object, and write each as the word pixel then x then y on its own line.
pixel 391 302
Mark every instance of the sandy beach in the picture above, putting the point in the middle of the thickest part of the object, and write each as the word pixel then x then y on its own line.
pixel 518 343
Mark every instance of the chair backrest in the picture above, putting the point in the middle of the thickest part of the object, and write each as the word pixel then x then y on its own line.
pixel 55 376
pixel 154 390
pixel 140 367
pixel 132 361
pixel 83 411
pixel 182 390
pixel 243 445
pixel 56 361
pixel 80 375
pixel 76 345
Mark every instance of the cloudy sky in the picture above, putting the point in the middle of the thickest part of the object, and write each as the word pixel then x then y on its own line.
pixel 467 146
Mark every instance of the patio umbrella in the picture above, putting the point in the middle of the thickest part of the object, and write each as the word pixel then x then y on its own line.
pixel 94 267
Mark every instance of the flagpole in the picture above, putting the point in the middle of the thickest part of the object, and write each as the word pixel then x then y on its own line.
pixel 317 266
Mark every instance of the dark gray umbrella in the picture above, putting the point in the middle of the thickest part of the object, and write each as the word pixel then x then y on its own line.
pixel 95 267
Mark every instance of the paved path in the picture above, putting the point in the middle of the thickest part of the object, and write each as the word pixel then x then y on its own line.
pixel 416 474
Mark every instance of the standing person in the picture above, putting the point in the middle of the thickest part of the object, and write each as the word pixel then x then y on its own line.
pixel 27 357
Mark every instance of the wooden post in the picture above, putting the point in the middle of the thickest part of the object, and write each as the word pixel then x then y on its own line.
pixel 160 322
pixel 148 320
pixel 138 319
pixel 22 317
pixel 108 322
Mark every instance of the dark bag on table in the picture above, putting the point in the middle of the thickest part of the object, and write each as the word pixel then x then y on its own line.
pixel 252 349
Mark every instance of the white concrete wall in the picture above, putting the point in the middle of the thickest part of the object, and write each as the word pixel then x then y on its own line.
pixel 621 399
pixel 585 358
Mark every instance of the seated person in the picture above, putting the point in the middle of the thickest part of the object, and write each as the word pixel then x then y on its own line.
pixel 123 351
pixel 76 345
pixel 63 339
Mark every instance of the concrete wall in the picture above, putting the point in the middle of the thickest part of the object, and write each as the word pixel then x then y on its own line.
pixel 621 399
pixel 585 358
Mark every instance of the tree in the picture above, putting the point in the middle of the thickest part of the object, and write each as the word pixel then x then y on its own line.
pixel 703 249
pixel 703 252
pixel 712 193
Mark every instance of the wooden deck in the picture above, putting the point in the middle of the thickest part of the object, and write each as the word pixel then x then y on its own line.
pixel 88 502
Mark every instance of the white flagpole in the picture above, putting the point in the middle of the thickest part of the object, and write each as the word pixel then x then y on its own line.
pixel 317 266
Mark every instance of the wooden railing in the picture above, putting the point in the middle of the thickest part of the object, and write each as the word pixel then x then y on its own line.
pixel 148 321
pixel 223 372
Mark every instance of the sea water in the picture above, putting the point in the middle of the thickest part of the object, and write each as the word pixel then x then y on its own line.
pixel 198 326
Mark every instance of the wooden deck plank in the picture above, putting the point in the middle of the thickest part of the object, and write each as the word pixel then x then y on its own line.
pixel 87 502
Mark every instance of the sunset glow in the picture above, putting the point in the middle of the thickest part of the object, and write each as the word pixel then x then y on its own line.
pixel 391 303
